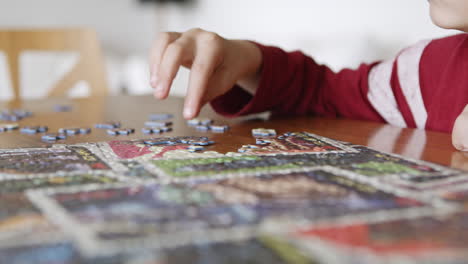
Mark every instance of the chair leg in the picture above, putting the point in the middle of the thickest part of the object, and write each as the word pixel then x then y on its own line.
pixel 66 82
pixel 13 63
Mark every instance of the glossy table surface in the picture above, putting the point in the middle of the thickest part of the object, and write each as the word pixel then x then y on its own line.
pixel 133 111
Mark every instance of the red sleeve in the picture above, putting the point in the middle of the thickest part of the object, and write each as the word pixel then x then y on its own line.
pixel 444 81
pixel 294 84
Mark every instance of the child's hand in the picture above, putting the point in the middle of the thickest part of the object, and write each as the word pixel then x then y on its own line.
pixel 216 65
pixel 460 131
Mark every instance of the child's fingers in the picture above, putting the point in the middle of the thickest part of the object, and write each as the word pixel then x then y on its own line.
pixel 157 52
pixel 176 52
pixel 208 57
pixel 221 81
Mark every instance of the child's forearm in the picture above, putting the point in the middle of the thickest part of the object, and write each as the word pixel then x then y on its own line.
pixel 292 83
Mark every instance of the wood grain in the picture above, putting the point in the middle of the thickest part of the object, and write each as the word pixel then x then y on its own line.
pixel 133 111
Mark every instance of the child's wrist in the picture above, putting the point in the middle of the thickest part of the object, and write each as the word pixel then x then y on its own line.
pixel 251 56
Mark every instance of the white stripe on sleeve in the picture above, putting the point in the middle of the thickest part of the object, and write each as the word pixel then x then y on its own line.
pixel 381 96
pixel 408 75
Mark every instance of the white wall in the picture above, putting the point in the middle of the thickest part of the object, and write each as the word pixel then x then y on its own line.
pixel 340 33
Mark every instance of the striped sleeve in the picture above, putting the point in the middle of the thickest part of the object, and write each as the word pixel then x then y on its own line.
pixel 389 91
pixel 394 89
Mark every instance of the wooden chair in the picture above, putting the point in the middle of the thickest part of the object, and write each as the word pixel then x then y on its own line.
pixel 90 66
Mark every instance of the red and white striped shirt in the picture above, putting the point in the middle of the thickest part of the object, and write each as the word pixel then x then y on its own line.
pixel 425 86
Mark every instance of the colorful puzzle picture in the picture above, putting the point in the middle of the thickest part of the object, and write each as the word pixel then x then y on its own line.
pixel 290 198
pixel 367 163
pixel 262 249
pixel 136 149
pixel 50 160
pixel 146 149
pixel 294 143
pixel 136 214
pixel 403 237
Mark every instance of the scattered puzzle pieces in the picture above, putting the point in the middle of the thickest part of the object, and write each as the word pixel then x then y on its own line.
pixel 14 115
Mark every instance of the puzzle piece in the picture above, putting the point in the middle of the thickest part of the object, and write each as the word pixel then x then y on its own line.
pixel 213 128
pixel 53 137
pixel 219 128
pixel 166 129
pixel 147 130
pixel 156 130
pixel 194 148
pixel 200 121
pixel 14 115
pixel 263 132
pixel 262 141
pixel 202 128
pixel 158 123
pixel 246 148
pixel 8 127
pixel 200 142
pixel 62 108
pixel 187 140
pixel 108 125
pixel 120 131
pixel 160 116
pixel 33 129
pixel 69 131
pixel 85 130
pixel 75 131
pixel 161 141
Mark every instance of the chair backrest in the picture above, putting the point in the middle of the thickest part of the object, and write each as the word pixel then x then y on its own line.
pixel 90 66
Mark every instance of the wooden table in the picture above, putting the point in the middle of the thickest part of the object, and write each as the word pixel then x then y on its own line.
pixel 132 111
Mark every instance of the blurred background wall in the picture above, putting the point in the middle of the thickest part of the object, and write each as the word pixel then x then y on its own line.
pixel 339 33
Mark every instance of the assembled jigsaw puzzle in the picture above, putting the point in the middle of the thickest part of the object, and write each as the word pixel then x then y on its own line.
pixel 290 198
